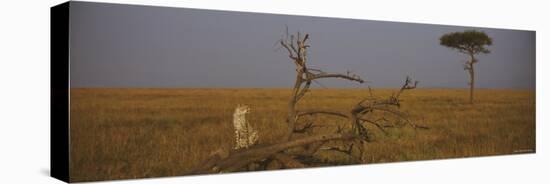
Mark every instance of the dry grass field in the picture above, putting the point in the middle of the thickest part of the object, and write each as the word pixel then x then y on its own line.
pixel 136 133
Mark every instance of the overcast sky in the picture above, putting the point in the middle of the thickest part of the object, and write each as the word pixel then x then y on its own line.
pixel 143 46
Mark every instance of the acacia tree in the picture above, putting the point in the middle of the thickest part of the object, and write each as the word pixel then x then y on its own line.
pixel 470 42
pixel 349 138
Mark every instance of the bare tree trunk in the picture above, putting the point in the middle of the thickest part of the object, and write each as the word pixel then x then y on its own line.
pixel 472 77
pixel 291 120
pixel 472 84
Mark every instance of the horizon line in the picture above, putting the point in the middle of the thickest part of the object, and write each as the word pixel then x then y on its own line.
pixel 320 88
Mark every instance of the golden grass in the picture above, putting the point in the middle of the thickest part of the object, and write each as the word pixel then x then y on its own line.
pixel 136 133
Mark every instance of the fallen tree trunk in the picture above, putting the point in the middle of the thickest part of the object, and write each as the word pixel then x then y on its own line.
pixel 238 160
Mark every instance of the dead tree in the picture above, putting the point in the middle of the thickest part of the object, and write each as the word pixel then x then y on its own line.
pixel 352 138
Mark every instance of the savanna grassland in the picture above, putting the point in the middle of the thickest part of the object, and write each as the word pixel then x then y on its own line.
pixel 136 133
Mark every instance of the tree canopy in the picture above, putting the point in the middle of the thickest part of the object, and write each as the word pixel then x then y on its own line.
pixel 468 42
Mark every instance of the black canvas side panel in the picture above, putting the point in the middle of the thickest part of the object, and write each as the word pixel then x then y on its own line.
pixel 59 91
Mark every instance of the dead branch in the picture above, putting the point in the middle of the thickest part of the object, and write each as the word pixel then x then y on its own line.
pixel 288 161
pixel 347 151
pixel 380 127
pixel 305 128
pixel 315 112
pixel 348 77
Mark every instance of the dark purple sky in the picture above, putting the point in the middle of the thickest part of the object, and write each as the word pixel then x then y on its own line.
pixel 142 46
